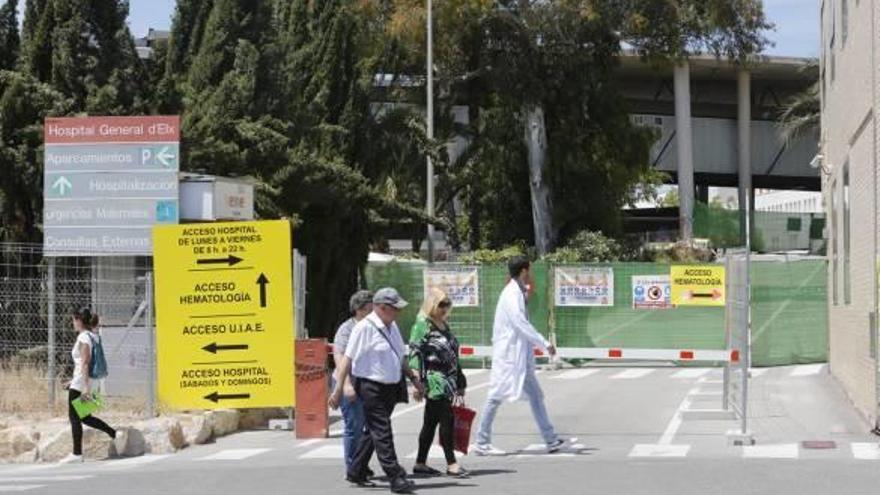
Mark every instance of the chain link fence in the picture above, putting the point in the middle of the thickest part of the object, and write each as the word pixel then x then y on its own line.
pixel 37 299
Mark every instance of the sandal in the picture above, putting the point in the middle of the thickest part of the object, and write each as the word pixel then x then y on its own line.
pixel 461 474
pixel 425 471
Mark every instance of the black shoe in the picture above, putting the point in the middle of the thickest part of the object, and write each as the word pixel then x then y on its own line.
pixel 402 485
pixel 370 473
pixel 426 471
pixel 361 482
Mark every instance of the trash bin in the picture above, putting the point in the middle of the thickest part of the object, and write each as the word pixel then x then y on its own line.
pixel 312 417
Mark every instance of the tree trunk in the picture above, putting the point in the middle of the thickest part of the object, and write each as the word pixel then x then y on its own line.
pixel 542 207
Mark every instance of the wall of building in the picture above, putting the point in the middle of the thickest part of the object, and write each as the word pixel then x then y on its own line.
pixel 848 138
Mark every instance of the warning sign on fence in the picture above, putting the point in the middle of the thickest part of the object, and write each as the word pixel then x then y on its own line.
pixel 224 315
pixel 651 292
pixel 698 285
pixel 462 285
pixel 592 286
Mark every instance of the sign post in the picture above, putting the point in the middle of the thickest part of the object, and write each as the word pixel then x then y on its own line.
pixel 224 304
pixel 107 181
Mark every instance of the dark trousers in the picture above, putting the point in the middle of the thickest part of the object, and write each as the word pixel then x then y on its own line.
pixel 437 412
pixel 76 423
pixel 379 401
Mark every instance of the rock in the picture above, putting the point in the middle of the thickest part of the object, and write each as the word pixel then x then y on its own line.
pixel 16 441
pixel 130 442
pixel 162 435
pixel 28 457
pixel 223 421
pixel 96 445
pixel 197 429
pixel 252 419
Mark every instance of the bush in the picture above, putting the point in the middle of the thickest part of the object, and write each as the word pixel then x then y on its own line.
pixel 587 247
pixel 683 252
pixel 491 256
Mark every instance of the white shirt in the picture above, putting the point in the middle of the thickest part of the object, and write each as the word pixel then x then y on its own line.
pixel 371 355
pixel 78 382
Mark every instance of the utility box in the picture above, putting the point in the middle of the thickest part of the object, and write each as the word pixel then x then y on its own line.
pixel 312 416
pixel 208 198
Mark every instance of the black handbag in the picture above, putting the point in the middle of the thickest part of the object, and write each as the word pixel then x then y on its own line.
pixel 402 391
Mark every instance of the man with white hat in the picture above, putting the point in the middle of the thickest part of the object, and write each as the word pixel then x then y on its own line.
pixel 376 358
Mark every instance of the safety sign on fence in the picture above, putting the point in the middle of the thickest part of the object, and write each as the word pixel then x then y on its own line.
pixel 461 285
pixel 225 315
pixel 651 292
pixel 698 285
pixel 584 286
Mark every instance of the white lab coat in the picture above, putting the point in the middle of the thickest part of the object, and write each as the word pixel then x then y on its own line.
pixel 513 343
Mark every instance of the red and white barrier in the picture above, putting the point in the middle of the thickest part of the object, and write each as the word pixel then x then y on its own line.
pixel 620 354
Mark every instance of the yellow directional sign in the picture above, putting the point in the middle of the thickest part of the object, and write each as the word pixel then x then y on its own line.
pixel 224 308
pixel 698 285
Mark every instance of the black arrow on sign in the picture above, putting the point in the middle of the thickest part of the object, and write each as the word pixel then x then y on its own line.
pixel 216 397
pixel 229 260
pixel 213 347
pixel 262 281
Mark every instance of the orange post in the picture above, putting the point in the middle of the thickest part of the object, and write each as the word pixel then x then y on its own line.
pixel 312 418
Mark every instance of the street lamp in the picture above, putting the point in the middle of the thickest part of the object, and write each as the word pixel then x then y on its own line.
pixel 430 117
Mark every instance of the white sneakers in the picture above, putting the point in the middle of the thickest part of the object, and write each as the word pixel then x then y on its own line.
pixel 487 450
pixel 72 459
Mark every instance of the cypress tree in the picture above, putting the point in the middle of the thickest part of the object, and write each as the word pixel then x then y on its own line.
pixel 9 38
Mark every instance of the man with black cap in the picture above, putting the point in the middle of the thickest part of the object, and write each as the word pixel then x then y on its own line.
pixel 360 305
pixel 376 358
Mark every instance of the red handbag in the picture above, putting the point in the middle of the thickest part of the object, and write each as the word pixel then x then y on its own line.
pixel 463 419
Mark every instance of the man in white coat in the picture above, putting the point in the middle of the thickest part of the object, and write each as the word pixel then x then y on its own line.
pixel 513 362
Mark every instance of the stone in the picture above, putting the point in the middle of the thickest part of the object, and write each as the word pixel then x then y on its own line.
pixel 96 445
pixel 16 441
pixel 162 435
pixel 130 442
pixel 223 421
pixel 197 429
pixel 252 419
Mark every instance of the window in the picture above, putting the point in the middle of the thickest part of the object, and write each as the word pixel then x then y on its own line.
pixel 844 22
pixel 832 243
pixel 847 231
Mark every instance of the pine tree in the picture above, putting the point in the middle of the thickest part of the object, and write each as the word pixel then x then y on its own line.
pixel 9 38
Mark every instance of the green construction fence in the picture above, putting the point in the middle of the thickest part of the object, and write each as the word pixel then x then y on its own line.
pixel 789 311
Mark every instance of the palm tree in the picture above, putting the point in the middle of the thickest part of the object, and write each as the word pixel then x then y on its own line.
pixel 801 113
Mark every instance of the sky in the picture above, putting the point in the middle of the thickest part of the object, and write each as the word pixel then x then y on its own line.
pixel 796 34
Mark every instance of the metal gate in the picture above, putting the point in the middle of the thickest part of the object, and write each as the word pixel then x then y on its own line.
pixel 738 337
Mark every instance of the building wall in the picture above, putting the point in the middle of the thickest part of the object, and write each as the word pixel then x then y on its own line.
pixel 848 137
pixel 789 201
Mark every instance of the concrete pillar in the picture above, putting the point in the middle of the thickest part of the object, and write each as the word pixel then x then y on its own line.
pixel 743 125
pixel 685 143
pixel 703 194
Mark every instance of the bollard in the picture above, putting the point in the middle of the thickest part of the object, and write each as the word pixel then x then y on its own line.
pixel 311 417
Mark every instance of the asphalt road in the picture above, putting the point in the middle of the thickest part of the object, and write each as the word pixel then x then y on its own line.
pixel 631 438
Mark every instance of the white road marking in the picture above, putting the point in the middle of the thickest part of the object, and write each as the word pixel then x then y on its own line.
pixel 756 372
pixel 652 450
pixel 574 374
pixel 233 454
pixel 866 451
pixel 675 422
pixel 309 443
pixel 692 373
pixel 38 479
pixel 540 450
pixel 807 370
pixel 633 374
pixel 134 461
pixel 780 451
pixel 334 451
pixel 19 488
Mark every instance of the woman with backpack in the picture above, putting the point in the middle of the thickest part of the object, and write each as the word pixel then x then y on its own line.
pixel 82 385
pixel 434 352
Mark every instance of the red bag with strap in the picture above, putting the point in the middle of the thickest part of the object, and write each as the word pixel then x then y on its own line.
pixel 463 419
